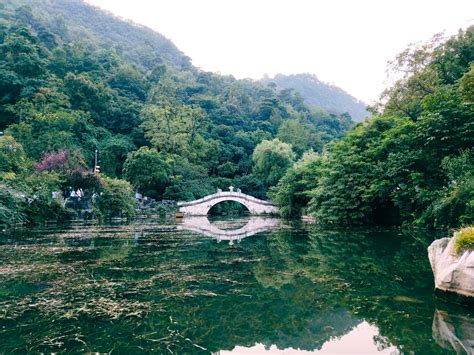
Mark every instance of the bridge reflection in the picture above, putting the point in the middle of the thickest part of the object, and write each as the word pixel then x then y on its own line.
pixel 202 225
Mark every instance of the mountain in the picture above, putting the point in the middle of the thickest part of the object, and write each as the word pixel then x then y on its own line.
pixel 76 21
pixel 317 93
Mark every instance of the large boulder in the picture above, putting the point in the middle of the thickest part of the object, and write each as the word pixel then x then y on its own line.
pixel 452 272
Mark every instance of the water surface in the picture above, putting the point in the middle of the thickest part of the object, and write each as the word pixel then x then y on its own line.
pixel 160 287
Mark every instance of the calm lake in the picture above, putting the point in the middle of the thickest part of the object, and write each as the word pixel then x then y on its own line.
pixel 229 286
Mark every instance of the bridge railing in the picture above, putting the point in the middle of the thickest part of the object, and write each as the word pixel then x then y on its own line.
pixel 226 194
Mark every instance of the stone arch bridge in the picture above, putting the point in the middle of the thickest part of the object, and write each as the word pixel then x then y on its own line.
pixel 202 206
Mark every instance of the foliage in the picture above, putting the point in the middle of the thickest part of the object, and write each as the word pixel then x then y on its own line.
pixel 12 156
pixel 272 159
pixel 113 153
pixel 61 161
pixel 115 200
pixel 33 199
pixel 173 128
pixel 40 204
pixel 297 135
pixel 320 94
pixel 412 163
pixel 293 191
pixel 464 240
pixel 455 202
pixel 251 185
pixel 81 81
pixel 148 171
pixel 10 201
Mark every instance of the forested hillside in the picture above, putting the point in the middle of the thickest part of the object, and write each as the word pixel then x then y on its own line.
pixel 413 162
pixel 58 22
pixel 75 80
pixel 317 93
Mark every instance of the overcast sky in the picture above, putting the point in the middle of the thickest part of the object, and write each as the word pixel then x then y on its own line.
pixel 347 43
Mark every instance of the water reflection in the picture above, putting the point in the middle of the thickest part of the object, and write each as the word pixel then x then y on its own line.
pixel 251 226
pixel 454 331
pixel 151 287
pixel 359 340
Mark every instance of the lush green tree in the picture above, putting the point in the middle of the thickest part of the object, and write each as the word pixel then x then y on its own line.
pixel 396 168
pixel 115 200
pixel 113 153
pixel 22 69
pixel 466 87
pixel 49 132
pixel 296 134
pixel 172 127
pixel 129 81
pixel 293 191
pixel 189 190
pixel 148 171
pixel 272 159
pixel 10 206
pixel 12 156
pixel 227 169
pixel 454 204
pixel 251 185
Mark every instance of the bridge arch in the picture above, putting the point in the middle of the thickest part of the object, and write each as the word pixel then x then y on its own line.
pixel 202 206
pixel 240 201
pixel 254 225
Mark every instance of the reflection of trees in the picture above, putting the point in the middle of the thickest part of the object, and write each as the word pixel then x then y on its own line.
pixel 177 292
pixel 377 276
pixel 172 290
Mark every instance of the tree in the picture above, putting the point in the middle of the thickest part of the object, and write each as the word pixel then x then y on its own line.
pixel 295 133
pixel 294 190
pixel 61 162
pixel 113 153
pixel 227 169
pixel 271 160
pixel 10 206
pixel 12 156
pixel 418 79
pixel 116 199
pixel 148 171
pixel 172 128
pixel 251 185
pixel 454 204
pixel 129 81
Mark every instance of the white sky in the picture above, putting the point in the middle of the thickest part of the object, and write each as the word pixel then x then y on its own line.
pixel 344 42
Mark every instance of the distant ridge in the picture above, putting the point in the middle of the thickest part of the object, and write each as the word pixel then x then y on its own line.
pixel 317 93
pixel 78 21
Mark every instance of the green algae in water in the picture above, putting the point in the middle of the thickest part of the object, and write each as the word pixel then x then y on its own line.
pixel 157 288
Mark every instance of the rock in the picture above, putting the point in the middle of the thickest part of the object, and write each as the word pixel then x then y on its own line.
pixel 454 332
pixel 452 272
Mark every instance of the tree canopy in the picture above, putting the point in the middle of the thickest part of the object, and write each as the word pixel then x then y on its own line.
pixel 412 162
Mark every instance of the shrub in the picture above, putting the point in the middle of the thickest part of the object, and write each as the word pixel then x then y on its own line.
pixel 10 200
pixel 12 155
pixel 464 240
pixel 39 204
pixel 115 200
